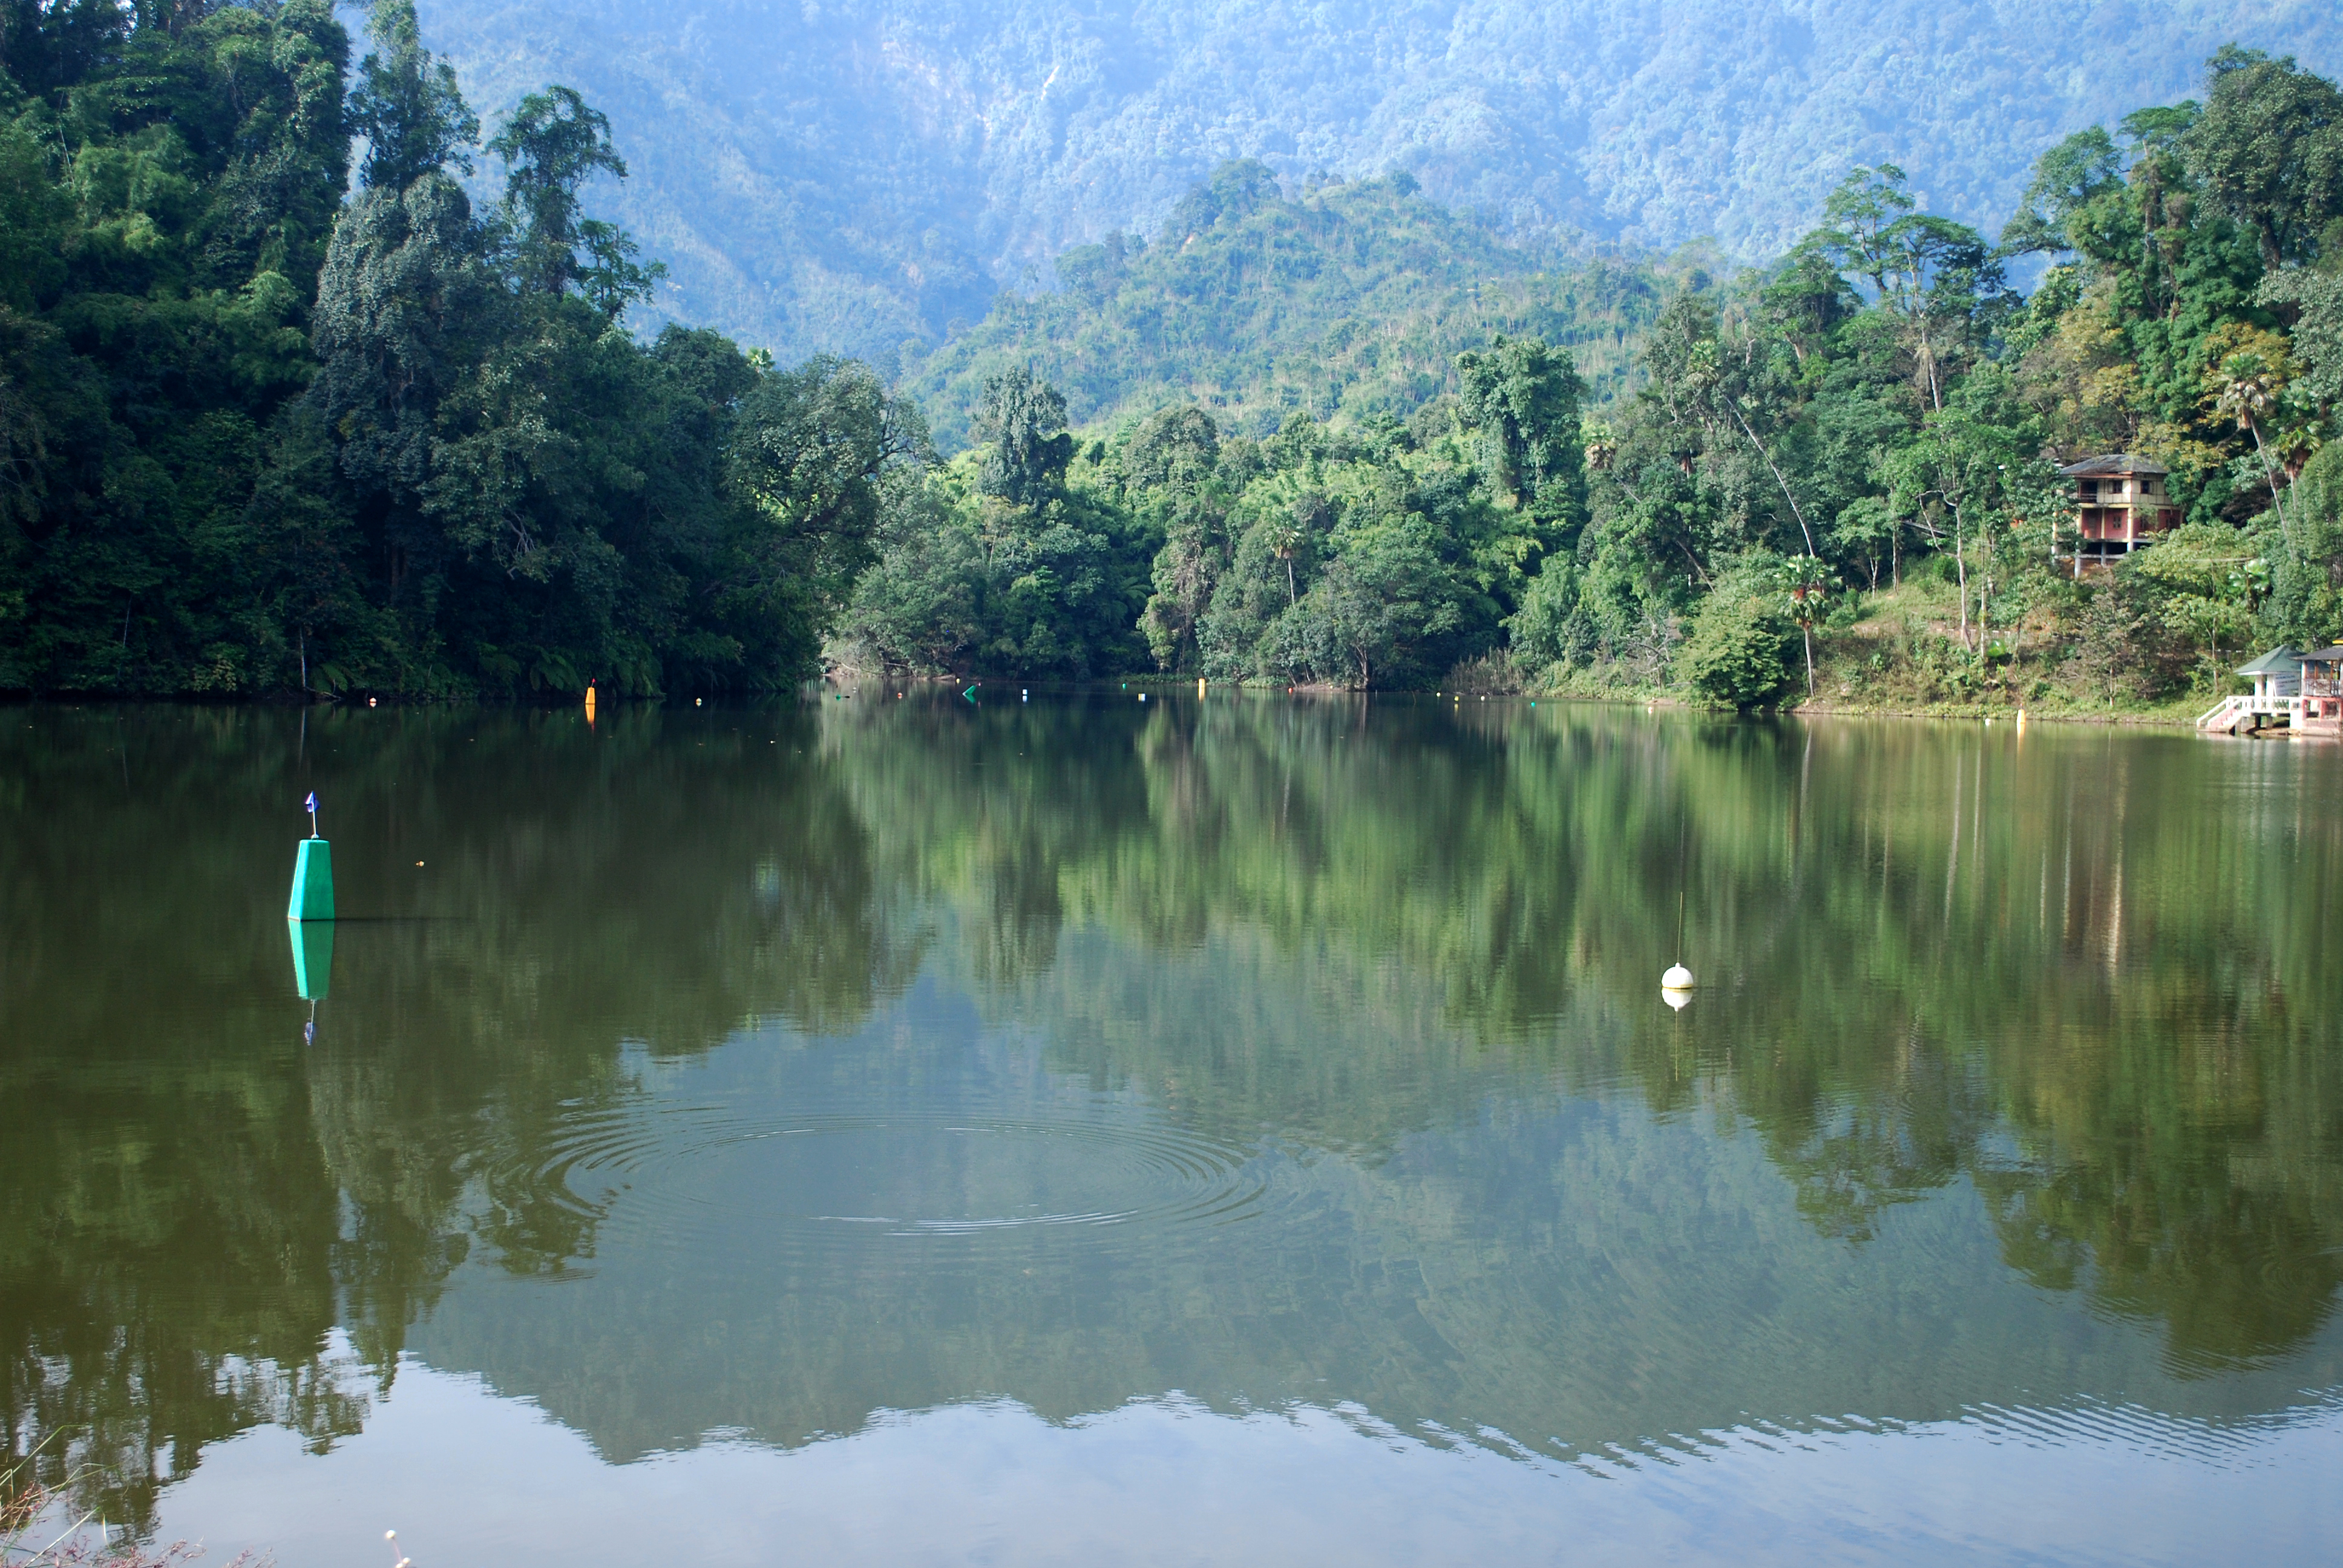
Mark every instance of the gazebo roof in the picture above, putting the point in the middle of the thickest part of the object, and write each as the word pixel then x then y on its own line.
pixel 2275 662
pixel 2325 656
pixel 2111 462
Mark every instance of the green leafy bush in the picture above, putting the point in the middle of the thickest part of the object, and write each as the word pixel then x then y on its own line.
pixel 1738 652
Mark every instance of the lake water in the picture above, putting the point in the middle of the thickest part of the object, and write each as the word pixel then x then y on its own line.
pixel 1075 1130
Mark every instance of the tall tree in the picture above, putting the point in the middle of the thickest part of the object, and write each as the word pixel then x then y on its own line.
pixel 1931 274
pixel 551 145
pixel 2269 149
pixel 817 453
pixel 2069 177
pixel 1523 399
pixel 1024 418
pixel 407 105
pixel 1168 471
pixel 401 299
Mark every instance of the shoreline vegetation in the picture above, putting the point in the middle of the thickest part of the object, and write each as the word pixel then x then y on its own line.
pixel 312 387
pixel 2178 713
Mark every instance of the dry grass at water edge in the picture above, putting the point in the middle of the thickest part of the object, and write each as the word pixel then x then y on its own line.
pixel 34 1534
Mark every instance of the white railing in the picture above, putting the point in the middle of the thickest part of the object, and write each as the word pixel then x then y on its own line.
pixel 2224 714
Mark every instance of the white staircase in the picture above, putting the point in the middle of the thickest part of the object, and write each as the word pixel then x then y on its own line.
pixel 2233 714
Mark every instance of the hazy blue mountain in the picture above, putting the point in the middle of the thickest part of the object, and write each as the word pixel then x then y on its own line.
pixel 850 175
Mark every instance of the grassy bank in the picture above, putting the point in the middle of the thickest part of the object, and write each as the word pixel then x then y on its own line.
pixel 2085 654
pixel 1904 649
pixel 2089 652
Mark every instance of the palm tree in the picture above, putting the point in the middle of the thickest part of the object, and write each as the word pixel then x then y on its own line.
pixel 1286 542
pixel 2246 389
pixel 1602 447
pixel 1808 582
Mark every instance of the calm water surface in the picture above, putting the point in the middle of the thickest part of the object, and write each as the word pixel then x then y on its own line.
pixel 1076 1130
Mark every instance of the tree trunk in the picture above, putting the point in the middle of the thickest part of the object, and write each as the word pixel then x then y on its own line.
pixel 1787 496
pixel 2277 505
pixel 1961 569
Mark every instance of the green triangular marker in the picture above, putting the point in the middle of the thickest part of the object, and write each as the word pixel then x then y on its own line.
pixel 313 883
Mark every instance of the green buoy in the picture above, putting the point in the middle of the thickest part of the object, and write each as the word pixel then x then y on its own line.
pixel 313 874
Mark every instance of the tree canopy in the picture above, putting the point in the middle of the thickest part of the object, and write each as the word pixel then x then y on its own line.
pixel 256 438
pixel 263 433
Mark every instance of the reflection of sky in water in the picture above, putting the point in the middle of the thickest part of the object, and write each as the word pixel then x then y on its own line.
pixel 1553 1318
pixel 466 1476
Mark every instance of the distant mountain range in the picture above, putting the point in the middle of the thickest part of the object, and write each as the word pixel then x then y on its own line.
pixel 851 177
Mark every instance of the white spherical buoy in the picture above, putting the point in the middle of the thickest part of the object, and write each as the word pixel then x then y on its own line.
pixel 1678 977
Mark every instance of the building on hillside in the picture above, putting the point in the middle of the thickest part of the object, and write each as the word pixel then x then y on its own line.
pixel 2120 503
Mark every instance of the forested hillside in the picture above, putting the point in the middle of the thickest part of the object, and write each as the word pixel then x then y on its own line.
pixel 257 434
pixel 1344 299
pixel 311 383
pixel 844 178
pixel 1836 478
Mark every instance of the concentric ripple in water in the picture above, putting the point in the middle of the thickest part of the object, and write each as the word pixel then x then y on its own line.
pixel 829 1177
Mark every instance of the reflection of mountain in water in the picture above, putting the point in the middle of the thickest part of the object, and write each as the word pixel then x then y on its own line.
pixel 1320 1037
pixel 1565 1273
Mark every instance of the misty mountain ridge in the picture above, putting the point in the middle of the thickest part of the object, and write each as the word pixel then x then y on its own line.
pixel 844 178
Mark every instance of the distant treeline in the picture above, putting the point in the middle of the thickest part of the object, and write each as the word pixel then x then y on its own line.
pixel 1362 553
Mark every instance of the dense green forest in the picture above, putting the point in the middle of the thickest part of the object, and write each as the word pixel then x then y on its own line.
pixel 1341 301
pixel 310 383
pixel 256 436
pixel 1834 478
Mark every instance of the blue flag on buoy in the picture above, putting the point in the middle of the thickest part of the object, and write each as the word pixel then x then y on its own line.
pixel 310 806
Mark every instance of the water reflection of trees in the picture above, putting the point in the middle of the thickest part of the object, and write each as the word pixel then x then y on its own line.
pixel 1928 956
pixel 190 1200
pixel 2038 961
